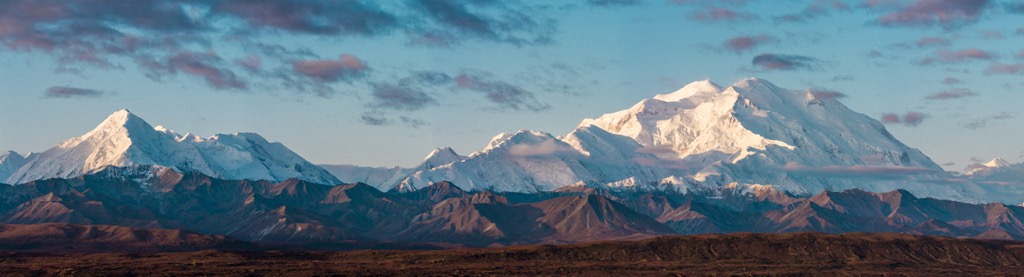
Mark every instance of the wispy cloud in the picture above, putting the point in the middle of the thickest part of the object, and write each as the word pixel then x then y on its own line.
pixel 398 97
pixel 948 14
pixel 615 2
pixel 346 67
pixel 72 92
pixel 932 41
pixel 951 81
pixel 785 62
pixel 982 122
pixel 505 95
pixel 1002 68
pixel 712 14
pixel 742 44
pixel 957 56
pixel 951 94
pixel 814 10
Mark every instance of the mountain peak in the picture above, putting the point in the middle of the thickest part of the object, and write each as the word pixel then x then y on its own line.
pixel 997 162
pixel 125 140
pixel 698 87
pixel 122 119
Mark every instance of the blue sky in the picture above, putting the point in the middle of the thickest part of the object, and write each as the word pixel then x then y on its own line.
pixel 381 83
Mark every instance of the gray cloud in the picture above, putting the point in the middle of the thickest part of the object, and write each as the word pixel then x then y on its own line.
pixel 403 98
pixel 951 94
pixel 505 95
pixel 784 62
pixel 72 92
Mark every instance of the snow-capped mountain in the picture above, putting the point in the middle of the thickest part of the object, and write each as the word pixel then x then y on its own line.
pixel 985 168
pixel 753 132
pixel 373 176
pixel 125 140
pixel 530 161
pixel 10 161
pixel 704 137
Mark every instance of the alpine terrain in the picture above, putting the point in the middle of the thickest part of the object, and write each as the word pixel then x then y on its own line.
pixel 125 140
pixel 703 138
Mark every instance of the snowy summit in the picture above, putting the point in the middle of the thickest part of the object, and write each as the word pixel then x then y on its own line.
pixel 125 140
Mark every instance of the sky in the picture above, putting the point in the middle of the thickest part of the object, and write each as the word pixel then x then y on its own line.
pixel 381 83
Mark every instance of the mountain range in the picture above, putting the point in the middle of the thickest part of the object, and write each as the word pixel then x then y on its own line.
pixel 159 200
pixel 125 140
pixel 749 157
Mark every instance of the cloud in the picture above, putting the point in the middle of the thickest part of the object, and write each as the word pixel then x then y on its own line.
pixel 397 97
pixel 951 81
pixel 785 62
pixel 346 67
pixel 72 92
pixel 838 78
pixel 605 3
pixel 890 118
pixel 951 94
pixel 546 147
pixel 505 95
pixel 957 56
pixel 825 94
pixel 742 44
pixel 814 10
pixel 451 21
pixel 992 35
pixel 932 41
pixel 163 38
pixel 911 119
pixel 948 14
pixel 713 14
pixel 311 17
pixel 374 119
pixel 207 66
pixel 856 171
pixel 982 122
pixel 1017 8
pixel 1002 68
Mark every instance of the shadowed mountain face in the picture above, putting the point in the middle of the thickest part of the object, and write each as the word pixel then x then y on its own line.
pixel 299 212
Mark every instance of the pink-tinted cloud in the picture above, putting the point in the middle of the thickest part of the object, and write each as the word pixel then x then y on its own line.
pixel 932 41
pixel 945 13
pixel 951 81
pixel 205 66
pixel 958 56
pixel 713 14
pixel 911 119
pixel 891 118
pixel 314 17
pixel 345 67
pixel 1002 68
pixel 951 94
pixel 742 44
pixel 784 62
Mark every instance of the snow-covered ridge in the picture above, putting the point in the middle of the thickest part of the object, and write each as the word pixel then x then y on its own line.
pixel 125 140
pixel 704 137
